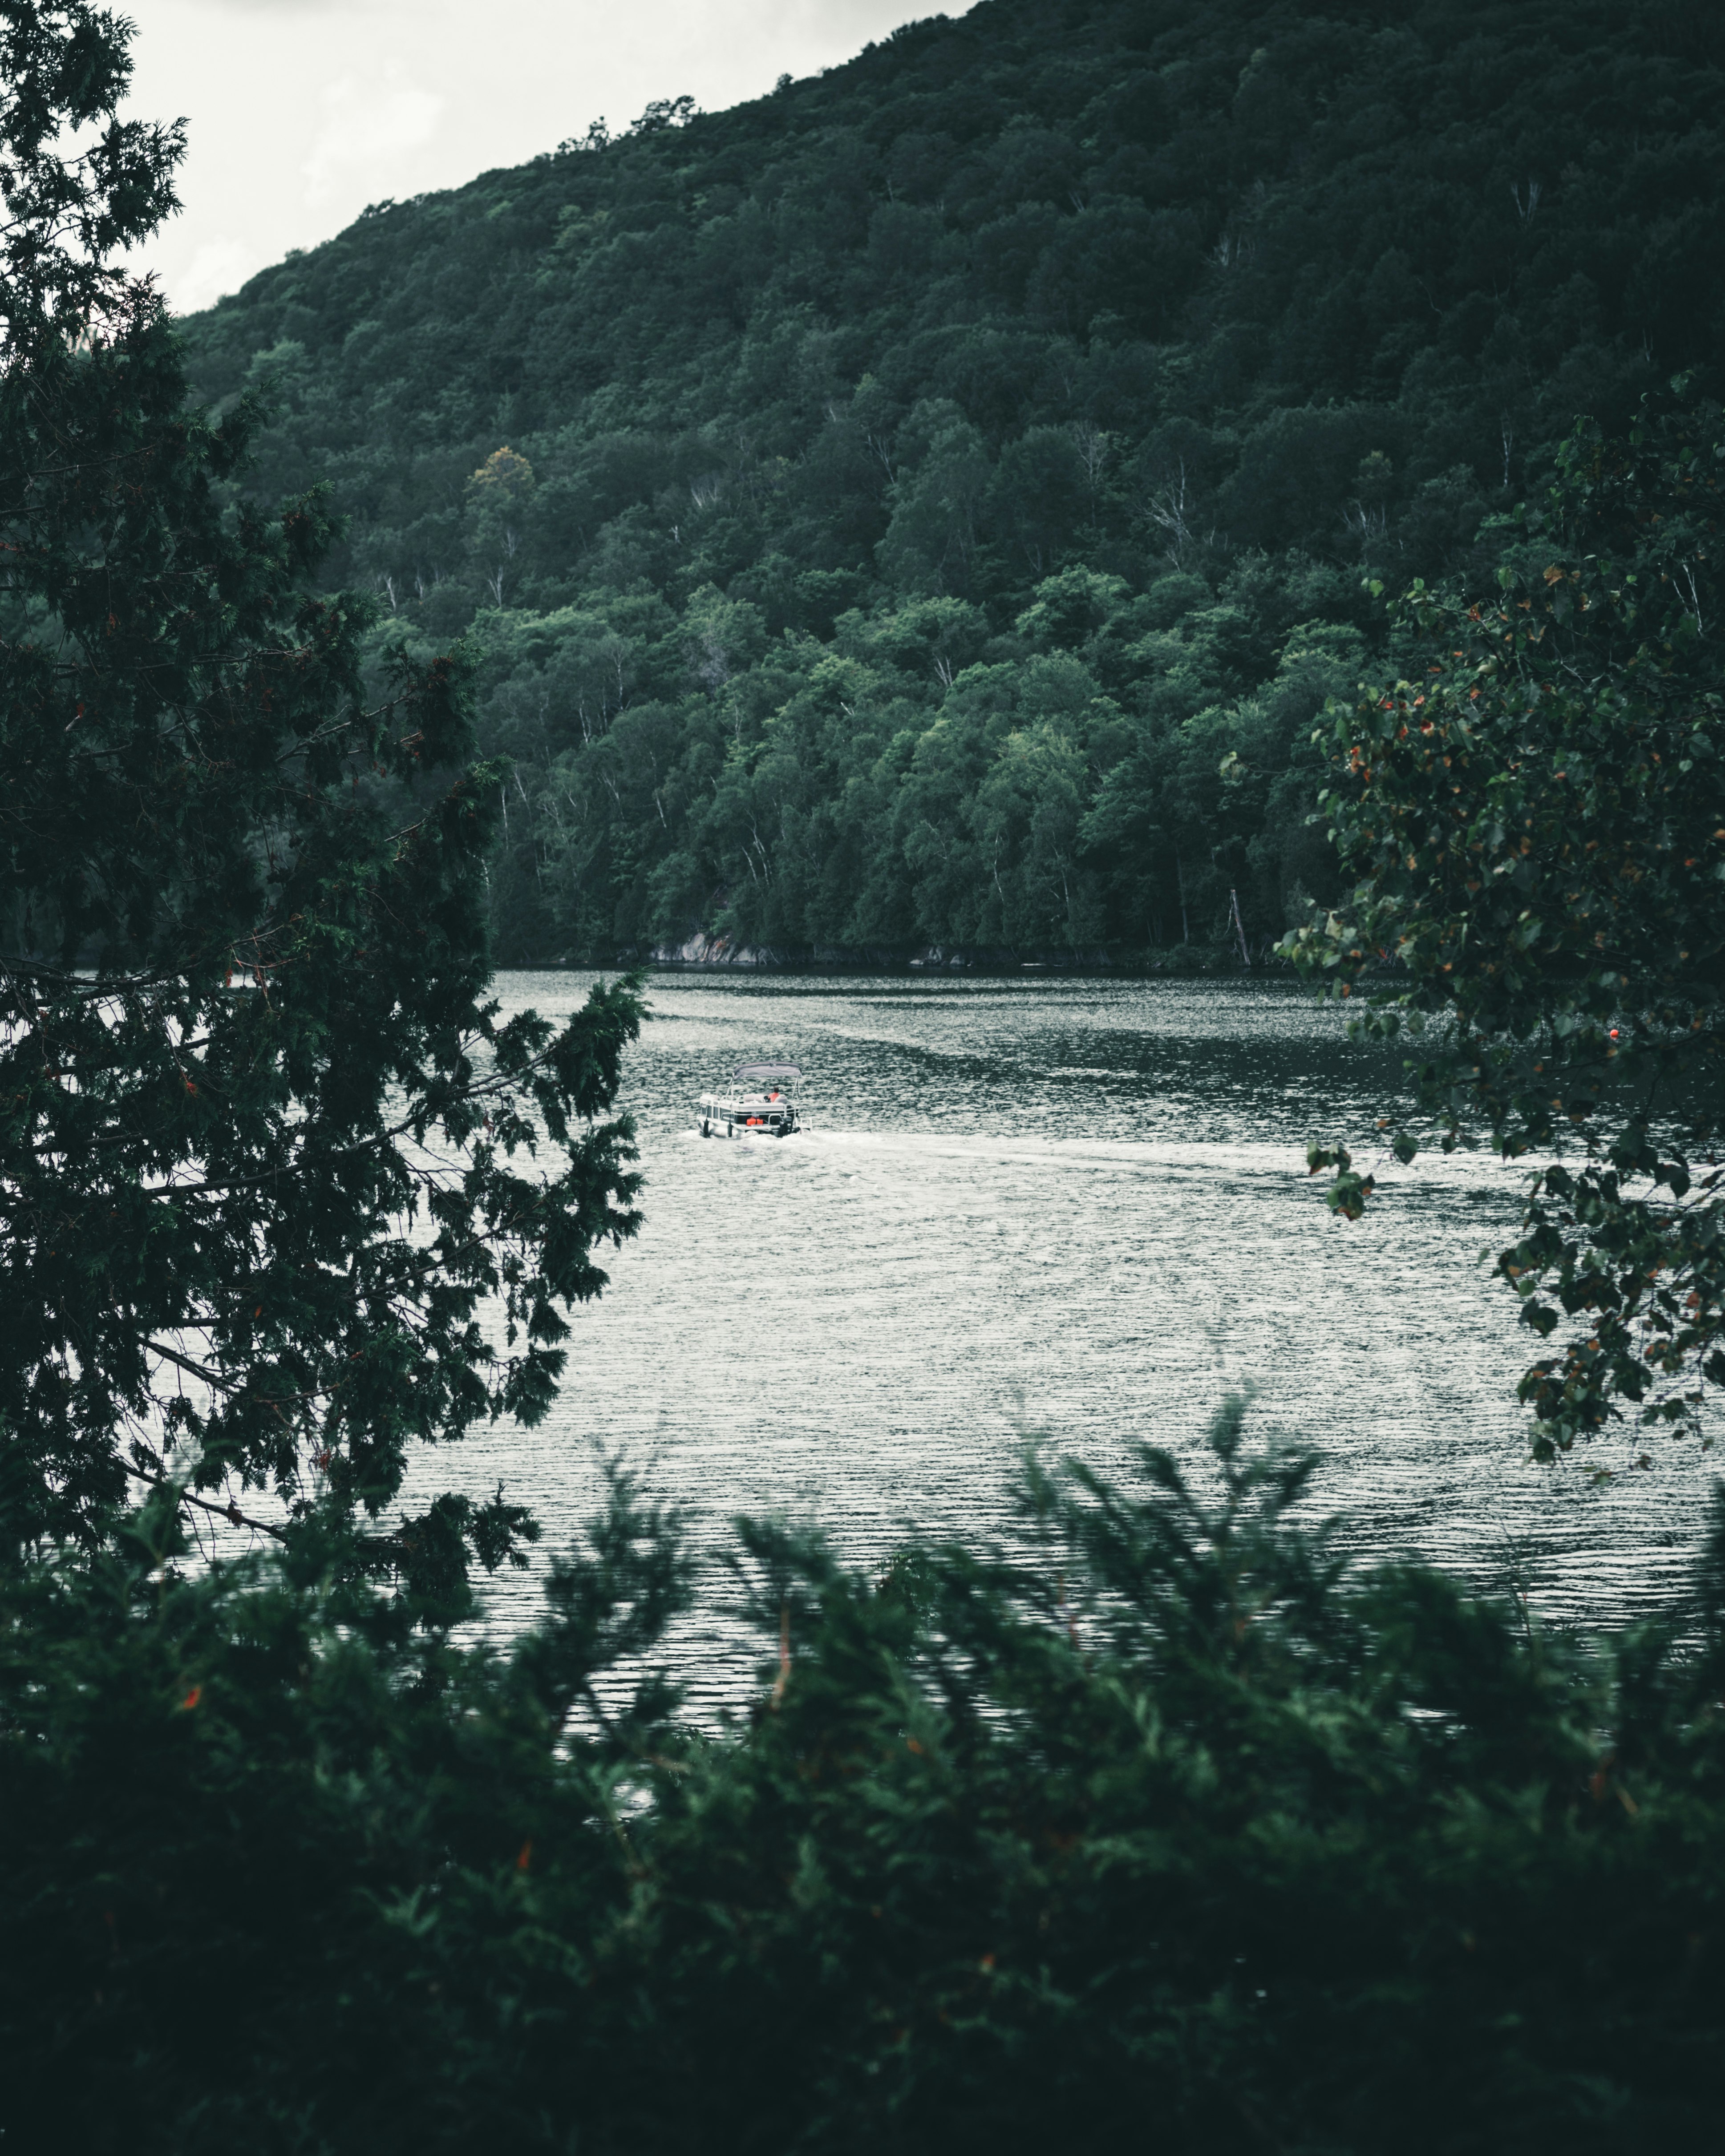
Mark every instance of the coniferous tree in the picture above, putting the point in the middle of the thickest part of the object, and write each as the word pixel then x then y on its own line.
pixel 265 1145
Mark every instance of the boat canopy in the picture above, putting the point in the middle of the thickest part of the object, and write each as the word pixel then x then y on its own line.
pixel 765 1071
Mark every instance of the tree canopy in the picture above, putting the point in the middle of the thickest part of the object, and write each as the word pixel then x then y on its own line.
pixel 1536 811
pixel 923 481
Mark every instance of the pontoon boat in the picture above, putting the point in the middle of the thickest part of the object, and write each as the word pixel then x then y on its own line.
pixel 757 1106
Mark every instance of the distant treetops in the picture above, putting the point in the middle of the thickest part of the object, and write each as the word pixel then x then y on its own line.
pixel 1210 315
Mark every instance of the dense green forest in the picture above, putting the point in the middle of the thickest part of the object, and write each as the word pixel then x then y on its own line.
pixel 933 504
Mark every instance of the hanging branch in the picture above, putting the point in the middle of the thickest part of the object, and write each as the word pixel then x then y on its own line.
pixel 230 1511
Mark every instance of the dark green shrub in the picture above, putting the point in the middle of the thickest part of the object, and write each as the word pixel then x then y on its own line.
pixel 1160 1821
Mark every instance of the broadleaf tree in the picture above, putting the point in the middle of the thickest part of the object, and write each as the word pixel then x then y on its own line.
pixel 1535 813
pixel 268 1150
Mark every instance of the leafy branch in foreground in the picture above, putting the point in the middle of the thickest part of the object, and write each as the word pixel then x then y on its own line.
pixel 1535 813
pixel 71 199
pixel 266 1145
pixel 1158 1810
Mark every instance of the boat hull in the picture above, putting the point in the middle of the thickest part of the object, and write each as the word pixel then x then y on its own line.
pixel 720 1127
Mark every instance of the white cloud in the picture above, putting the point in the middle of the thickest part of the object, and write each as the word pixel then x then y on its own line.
pixel 215 266
pixel 367 125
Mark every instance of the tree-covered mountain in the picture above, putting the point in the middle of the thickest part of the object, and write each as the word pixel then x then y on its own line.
pixel 932 503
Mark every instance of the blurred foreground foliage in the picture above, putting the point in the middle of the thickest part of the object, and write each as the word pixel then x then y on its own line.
pixel 1157 1818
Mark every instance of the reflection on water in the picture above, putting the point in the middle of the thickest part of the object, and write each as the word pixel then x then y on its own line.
pixel 1071 1206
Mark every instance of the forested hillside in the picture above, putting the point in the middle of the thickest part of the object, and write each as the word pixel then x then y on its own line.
pixel 931 504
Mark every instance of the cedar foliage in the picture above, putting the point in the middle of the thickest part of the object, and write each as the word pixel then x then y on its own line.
pixel 938 494
pixel 1157 1821
pixel 265 1146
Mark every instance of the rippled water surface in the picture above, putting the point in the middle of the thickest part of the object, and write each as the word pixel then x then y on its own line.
pixel 1072 1207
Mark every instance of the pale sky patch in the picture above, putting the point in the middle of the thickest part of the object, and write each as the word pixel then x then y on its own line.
pixel 302 112
pixel 368 127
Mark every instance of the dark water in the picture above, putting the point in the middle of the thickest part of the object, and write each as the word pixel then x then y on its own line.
pixel 1072 1208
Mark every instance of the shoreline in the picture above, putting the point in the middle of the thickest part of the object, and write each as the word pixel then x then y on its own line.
pixel 717 954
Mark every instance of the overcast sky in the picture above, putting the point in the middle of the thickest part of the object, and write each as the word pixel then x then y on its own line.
pixel 302 111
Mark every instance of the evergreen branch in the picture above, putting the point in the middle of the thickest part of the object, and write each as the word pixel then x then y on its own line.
pixel 230 1511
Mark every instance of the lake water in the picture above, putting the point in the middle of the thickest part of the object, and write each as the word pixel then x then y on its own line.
pixel 1072 1207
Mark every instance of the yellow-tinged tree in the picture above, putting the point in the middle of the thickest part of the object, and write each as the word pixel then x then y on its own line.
pixel 1536 815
